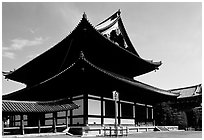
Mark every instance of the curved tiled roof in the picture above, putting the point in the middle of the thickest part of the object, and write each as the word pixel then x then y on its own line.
pixel 132 81
pixel 84 37
pixel 190 91
pixel 135 85
pixel 36 106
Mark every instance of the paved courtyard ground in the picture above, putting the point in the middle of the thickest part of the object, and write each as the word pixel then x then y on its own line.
pixel 178 134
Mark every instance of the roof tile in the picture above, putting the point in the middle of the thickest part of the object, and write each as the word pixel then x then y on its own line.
pixel 30 106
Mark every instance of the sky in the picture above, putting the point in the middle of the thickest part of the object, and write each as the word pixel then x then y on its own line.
pixel 168 32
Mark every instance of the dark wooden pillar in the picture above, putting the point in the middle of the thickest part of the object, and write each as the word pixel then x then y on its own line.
pixel 119 104
pixel 146 109
pixel 71 114
pixel 2 126
pixel 135 113
pixel 54 122
pixel 12 120
pixel 67 120
pixel 85 109
pixel 102 117
pixel 22 125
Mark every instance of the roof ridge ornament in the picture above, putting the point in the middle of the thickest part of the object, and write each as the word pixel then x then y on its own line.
pixel 84 15
pixel 119 11
pixel 81 56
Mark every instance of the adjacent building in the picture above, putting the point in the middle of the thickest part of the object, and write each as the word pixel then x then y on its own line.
pixel 190 101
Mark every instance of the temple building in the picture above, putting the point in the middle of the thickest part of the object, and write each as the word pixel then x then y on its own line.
pixel 190 101
pixel 73 82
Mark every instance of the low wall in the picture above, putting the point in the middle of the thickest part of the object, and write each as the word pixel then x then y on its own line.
pixel 108 130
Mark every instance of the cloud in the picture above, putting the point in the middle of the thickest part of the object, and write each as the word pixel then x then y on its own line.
pixel 10 55
pixel 18 44
pixel 32 31
pixel 31 56
pixel 69 13
pixel 5 48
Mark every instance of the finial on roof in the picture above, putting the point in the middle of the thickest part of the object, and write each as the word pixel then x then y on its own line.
pixel 81 55
pixel 119 12
pixel 84 15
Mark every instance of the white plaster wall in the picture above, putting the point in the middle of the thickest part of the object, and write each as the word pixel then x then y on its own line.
pixel 61 113
pixel 94 107
pixel 61 121
pixel 48 115
pixel 78 120
pixel 94 120
pixel 109 121
pixel 127 121
pixel 48 122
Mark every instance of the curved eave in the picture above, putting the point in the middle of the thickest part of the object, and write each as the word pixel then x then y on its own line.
pixel 125 80
pixel 10 106
pixel 132 82
pixel 43 67
pixel 16 93
pixel 119 20
pixel 193 96
pixel 26 74
pixel 111 49
pixel 110 22
pixel 149 64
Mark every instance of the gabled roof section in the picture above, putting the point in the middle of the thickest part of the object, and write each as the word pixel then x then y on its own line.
pixel 99 49
pixel 82 75
pixel 49 63
pixel 114 23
